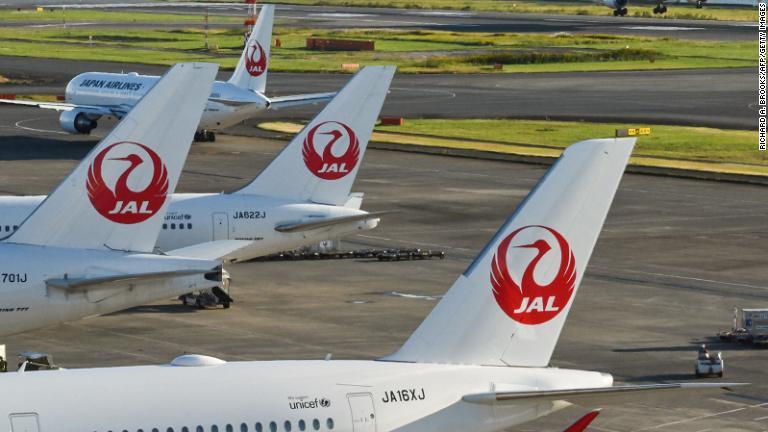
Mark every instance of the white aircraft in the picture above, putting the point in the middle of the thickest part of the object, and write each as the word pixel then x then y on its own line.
pixel 479 362
pixel 301 198
pixel 91 95
pixel 87 249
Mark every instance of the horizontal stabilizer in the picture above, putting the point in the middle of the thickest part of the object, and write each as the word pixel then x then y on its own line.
pixel 291 227
pixel 214 250
pixel 118 111
pixel 281 102
pixel 587 394
pixel 89 283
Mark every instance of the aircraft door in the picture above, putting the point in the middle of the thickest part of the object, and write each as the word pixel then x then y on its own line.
pixel 363 412
pixel 26 422
pixel 220 226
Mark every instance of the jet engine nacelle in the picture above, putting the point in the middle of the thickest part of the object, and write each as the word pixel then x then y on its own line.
pixel 616 4
pixel 75 121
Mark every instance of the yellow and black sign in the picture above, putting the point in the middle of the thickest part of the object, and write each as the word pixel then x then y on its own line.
pixel 629 132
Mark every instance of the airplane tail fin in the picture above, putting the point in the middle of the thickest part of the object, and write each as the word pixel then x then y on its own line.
pixel 116 198
pixel 251 70
pixel 321 162
pixel 509 306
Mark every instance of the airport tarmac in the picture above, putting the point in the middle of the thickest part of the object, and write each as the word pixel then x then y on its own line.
pixel 674 257
pixel 703 97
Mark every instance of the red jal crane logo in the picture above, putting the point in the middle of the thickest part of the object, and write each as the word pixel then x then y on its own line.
pixel 120 203
pixel 527 302
pixel 330 165
pixel 255 59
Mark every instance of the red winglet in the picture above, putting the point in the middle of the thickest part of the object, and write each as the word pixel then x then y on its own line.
pixel 582 423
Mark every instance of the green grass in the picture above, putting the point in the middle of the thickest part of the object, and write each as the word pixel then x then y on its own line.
pixel 546 6
pixel 679 142
pixel 412 51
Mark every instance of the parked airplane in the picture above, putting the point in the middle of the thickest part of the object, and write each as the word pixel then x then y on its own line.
pixel 479 362
pixel 87 249
pixel 301 198
pixel 91 95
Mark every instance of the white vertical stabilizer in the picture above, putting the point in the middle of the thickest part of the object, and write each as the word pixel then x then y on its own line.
pixel 321 162
pixel 116 198
pixel 509 306
pixel 251 70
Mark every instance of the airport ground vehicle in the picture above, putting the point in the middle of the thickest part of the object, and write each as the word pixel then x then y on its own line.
pixel 709 364
pixel 749 326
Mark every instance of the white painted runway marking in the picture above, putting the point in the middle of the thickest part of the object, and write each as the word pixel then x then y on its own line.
pixel 702 417
pixel 61 25
pixel 662 28
pixel 18 125
pixel 340 15
pixel 738 284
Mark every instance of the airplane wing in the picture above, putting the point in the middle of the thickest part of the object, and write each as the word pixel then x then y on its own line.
pixel 95 283
pixel 117 111
pixel 290 227
pixel 280 102
pixel 601 394
pixel 213 250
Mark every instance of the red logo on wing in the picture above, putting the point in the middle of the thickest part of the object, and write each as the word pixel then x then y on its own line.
pixel 255 59
pixel 121 204
pixel 333 135
pixel 528 302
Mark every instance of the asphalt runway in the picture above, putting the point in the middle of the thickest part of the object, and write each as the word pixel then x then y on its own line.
pixel 715 97
pixel 462 21
pixel 674 257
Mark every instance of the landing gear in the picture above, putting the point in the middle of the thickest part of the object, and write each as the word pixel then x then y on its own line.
pixel 660 9
pixel 205 136
pixel 620 12
pixel 699 4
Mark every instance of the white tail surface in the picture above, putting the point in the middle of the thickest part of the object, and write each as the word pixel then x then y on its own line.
pixel 116 198
pixel 321 162
pixel 509 306
pixel 251 70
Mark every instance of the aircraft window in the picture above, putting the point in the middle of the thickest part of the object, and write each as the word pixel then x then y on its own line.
pixel 173 226
pixel 7 228
pixel 181 226
pixel 199 429
pixel 329 423
pixel 316 424
pixel 155 430
pixel 15 227
pixel 185 429
pixel 165 226
pixel 170 429
pixel 140 430
pixel 189 226
pixel 243 427
pixel 214 428
pixel 229 427
pixel 302 425
pixel 258 427
pixel 287 426
pixel 272 427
